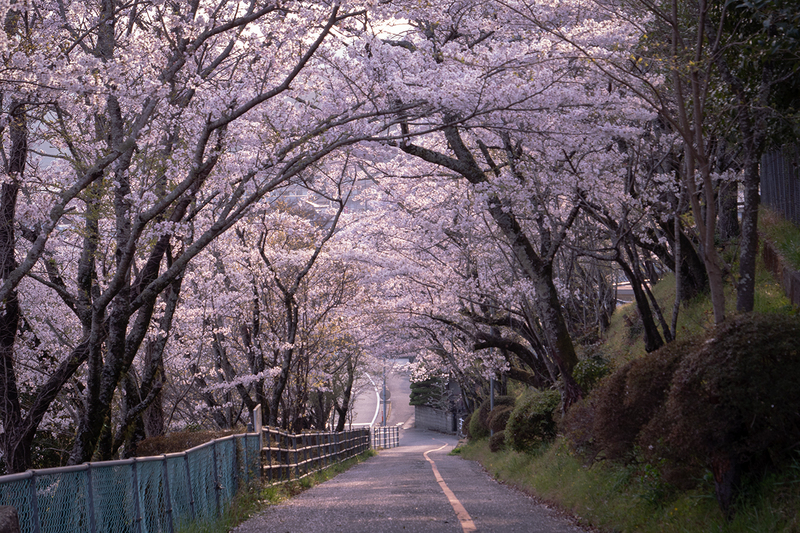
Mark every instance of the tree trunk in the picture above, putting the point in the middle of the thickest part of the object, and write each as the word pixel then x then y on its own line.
pixel 16 453
pixel 748 243
pixel 537 269
pixel 729 210
pixel 692 272
pixel 751 117
pixel 652 338
pixel 559 341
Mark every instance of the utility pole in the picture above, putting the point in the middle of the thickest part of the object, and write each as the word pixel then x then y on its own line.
pixel 383 397
pixel 491 400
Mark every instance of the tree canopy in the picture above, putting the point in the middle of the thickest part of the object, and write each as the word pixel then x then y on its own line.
pixel 210 205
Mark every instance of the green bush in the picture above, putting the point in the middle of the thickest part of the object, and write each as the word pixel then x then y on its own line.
pixel 497 442
pixel 588 372
pixel 477 430
pixel 533 419
pixel 498 418
pixel 734 405
pixel 728 403
pixel 607 423
pixel 578 428
pixel 627 400
pixel 479 421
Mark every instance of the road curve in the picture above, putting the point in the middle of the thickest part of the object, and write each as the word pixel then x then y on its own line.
pixel 398 491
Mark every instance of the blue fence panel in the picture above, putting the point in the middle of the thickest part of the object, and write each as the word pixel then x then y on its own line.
pixel 152 496
pixel 61 501
pixel 201 465
pixel 180 491
pixel 113 497
pixel 227 469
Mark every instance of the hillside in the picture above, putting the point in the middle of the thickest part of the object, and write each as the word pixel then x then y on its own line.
pixel 647 489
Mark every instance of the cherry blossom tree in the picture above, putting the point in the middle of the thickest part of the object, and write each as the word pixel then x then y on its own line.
pixel 447 289
pixel 529 127
pixel 159 127
pixel 270 296
pixel 510 151
pixel 689 68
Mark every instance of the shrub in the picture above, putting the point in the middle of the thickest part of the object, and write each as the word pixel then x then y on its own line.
pixel 477 430
pixel 578 428
pixel 590 371
pixel 498 418
pixel 479 421
pixel 533 419
pixel 626 401
pixel 497 441
pixel 729 403
pixel 734 401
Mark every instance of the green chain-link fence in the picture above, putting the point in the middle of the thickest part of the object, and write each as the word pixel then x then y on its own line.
pixel 166 493
pixel 159 494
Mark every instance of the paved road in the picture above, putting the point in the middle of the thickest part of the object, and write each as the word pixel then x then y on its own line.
pixel 398 491
pixel 367 409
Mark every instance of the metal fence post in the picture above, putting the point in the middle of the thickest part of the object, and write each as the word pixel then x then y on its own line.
pixel 189 480
pixel 235 464
pixel 90 499
pixel 285 459
pixel 258 425
pixel 309 453
pixel 245 462
pixel 308 456
pixel 304 446
pixel 283 456
pixel 216 477
pixel 279 455
pixel 135 489
pixel 269 457
pixel 328 448
pixel 34 503
pixel 296 458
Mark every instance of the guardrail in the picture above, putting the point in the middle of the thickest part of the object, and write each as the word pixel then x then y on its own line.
pixel 149 494
pixel 287 456
pixel 385 436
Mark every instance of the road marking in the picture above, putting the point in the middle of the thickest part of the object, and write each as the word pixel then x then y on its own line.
pixel 377 402
pixel 463 516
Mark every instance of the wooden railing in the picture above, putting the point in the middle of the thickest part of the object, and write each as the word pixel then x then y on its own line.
pixel 287 456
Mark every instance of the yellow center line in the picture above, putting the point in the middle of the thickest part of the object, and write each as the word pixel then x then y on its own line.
pixel 463 516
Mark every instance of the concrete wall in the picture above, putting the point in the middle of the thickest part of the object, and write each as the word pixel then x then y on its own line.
pixel 434 419
pixel 786 276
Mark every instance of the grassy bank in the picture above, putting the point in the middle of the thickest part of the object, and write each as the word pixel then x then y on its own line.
pixel 783 234
pixel 622 499
pixel 633 498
